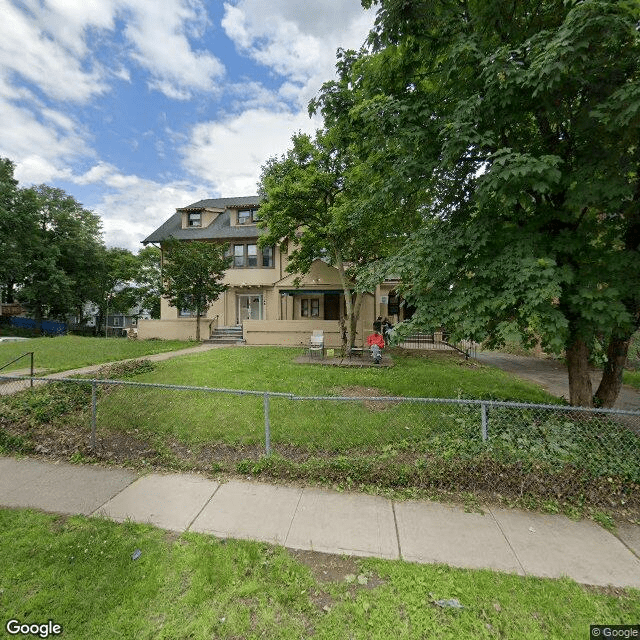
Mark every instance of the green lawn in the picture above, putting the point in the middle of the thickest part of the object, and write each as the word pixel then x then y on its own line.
pixel 535 457
pixel 632 378
pixel 196 418
pixel 71 352
pixel 79 573
pixel 437 375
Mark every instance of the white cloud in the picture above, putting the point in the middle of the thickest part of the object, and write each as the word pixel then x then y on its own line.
pixel 228 154
pixel 297 40
pixel 42 141
pixel 27 50
pixel 132 207
pixel 48 45
pixel 159 32
pixel 130 215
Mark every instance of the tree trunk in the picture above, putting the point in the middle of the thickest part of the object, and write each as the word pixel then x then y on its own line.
pixel 352 316
pixel 580 388
pixel 611 382
pixel 198 326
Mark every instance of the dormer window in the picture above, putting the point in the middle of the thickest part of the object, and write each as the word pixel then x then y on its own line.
pixel 248 216
pixel 194 220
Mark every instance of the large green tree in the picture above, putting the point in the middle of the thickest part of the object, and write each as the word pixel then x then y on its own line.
pixel 193 273
pixel 17 230
pixel 59 255
pixel 514 127
pixel 311 208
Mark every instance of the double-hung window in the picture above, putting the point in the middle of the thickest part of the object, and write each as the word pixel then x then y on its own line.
pixel 195 219
pixel 310 307
pixel 267 257
pixel 239 259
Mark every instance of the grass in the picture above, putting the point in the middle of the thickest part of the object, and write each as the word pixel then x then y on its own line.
pixel 532 456
pixel 196 419
pixel 195 586
pixel 71 352
pixel 438 375
pixel 632 378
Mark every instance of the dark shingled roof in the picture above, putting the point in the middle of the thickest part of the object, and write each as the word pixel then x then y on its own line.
pixel 220 228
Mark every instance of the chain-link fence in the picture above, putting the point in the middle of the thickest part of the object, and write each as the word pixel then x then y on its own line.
pixel 516 449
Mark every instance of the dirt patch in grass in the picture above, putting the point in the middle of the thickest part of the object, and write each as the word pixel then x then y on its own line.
pixel 367 392
pixel 334 569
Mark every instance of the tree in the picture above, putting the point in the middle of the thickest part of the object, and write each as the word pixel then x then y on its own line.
pixel 310 202
pixel 59 255
pixel 149 280
pixel 112 282
pixel 17 229
pixel 513 126
pixel 192 275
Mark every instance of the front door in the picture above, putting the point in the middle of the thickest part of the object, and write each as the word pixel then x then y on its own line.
pixel 332 306
pixel 249 307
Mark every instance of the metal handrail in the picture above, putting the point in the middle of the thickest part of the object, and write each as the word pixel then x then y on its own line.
pixel 28 353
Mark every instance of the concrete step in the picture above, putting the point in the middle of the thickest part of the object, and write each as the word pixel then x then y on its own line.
pixel 226 335
pixel 223 340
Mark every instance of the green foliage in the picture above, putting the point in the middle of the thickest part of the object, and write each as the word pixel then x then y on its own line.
pixel 47 403
pixel 193 273
pixel 11 444
pixel 60 243
pixel 200 587
pixel 149 280
pixel 512 128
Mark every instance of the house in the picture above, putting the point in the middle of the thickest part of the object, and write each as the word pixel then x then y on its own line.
pixel 269 305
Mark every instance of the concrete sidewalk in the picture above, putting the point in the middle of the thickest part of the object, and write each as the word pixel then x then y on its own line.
pixel 340 523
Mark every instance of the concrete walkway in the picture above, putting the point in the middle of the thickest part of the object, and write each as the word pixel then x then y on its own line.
pixel 8 386
pixel 340 523
pixel 552 376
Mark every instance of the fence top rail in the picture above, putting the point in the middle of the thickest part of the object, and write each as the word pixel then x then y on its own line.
pixel 291 396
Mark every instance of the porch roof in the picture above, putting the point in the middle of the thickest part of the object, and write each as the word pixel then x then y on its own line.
pixel 306 292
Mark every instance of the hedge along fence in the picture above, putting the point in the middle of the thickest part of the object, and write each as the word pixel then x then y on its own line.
pixel 516 449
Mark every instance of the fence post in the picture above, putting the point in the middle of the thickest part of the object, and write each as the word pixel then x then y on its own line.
pixel 93 415
pixel 485 422
pixel 31 385
pixel 267 425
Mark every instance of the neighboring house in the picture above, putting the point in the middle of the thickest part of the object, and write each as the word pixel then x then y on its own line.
pixel 262 297
pixel 118 324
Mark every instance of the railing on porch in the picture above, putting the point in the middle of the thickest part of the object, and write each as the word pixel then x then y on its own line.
pixel 438 341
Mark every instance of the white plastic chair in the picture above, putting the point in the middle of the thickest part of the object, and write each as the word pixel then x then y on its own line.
pixel 316 343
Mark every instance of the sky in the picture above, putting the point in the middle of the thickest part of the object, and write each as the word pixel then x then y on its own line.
pixel 138 107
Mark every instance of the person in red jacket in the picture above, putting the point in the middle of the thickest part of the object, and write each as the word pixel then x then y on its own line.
pixel 376 342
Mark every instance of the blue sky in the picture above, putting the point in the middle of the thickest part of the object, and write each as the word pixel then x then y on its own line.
pixel 137 107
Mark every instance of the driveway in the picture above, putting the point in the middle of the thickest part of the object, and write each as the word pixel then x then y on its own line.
pixel 552 376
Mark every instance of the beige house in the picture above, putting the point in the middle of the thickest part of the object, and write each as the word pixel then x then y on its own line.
pixel 262 302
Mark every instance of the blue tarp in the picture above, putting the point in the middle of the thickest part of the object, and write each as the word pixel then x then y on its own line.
pixel 46 326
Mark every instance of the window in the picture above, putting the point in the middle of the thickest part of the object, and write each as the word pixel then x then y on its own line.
pixel 252 255
pixel 310 307
pixel 194 219
pixel 249 256
pixel 186 313
pixel 267 257
pixel 238 255
pixel 248 216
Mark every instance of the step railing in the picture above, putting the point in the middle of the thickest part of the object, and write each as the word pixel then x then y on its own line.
pixel 24 355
